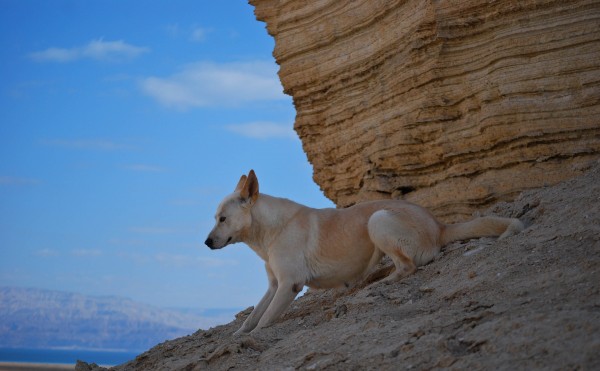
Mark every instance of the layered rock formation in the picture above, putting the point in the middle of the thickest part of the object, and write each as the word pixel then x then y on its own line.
pixel 450 104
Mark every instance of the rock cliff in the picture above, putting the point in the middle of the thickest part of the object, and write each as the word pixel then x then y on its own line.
pixel 450 104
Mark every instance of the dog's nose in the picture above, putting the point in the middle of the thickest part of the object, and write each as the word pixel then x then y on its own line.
pixel 209 242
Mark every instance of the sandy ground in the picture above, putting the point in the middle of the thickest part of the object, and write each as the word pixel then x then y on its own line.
pixel 531 301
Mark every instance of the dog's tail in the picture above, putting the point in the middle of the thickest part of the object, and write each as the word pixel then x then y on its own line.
pixel 486 226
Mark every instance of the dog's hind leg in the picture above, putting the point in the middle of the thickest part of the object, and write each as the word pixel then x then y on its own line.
pixel 404 239
pixel 405 266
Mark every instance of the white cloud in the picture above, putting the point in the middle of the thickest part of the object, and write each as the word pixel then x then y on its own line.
pixel 95 49
pixel 56 55
pixel 209 84
pixel 194 33
pixel 263 130
pixel 99 49
pixel 198 34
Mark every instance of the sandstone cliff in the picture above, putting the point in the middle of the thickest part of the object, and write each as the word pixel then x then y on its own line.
pixel 450 104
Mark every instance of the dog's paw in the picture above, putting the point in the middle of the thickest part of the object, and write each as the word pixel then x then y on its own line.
pixel 240 332
pixel 515 227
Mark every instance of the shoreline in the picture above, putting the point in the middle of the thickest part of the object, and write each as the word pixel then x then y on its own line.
pixel 32 366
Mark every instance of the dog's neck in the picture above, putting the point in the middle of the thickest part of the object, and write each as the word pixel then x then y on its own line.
pixel 269 214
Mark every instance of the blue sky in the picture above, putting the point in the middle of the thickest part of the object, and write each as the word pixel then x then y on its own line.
pixel 122 125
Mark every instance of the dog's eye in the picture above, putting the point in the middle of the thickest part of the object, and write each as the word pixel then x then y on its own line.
pixel 222 219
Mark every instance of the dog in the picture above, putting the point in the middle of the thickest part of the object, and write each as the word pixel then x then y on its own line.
pixel 327 248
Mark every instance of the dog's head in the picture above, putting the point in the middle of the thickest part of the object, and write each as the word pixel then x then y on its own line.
pixel 233 218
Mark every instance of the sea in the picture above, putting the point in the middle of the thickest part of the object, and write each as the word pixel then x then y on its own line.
pixel 66 356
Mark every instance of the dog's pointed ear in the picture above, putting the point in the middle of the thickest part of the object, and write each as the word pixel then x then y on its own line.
pixel 249 190
pixel 240 184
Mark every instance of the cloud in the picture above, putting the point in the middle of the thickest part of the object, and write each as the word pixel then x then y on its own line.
pixel 263 130
pixel 208 84
pixel 55 55
pixel 95 49
pixel 198 34
pixel 85 144
pixel 194 33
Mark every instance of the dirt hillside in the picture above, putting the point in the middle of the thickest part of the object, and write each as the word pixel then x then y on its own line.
pixel 531 301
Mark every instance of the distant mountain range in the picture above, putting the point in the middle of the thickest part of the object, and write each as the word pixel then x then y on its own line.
pixel 35 318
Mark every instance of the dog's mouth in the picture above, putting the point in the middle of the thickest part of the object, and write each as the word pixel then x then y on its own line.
pixel 211 243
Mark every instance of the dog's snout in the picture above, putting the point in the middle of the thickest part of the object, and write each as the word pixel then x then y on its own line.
pixel 209 242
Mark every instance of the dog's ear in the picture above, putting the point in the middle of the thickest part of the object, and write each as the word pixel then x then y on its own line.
pixel 250 189
pixel 240 184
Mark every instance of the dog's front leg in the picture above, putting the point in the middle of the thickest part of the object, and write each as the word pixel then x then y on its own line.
pixel 286 292
pixel 260 308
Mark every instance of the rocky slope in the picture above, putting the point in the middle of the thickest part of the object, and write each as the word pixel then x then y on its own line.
pixel 450 104
pixel 531 301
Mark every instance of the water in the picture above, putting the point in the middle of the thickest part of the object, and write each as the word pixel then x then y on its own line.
pixel 66 356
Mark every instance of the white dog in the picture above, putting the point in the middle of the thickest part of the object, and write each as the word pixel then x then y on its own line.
pixel 326 248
